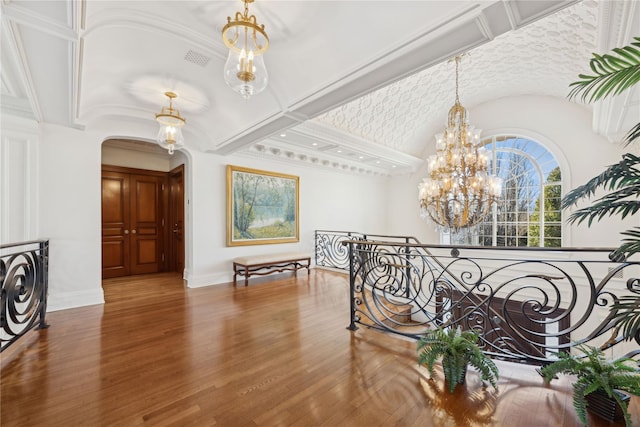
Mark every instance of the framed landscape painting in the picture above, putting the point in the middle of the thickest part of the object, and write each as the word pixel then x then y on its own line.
pixel 262 207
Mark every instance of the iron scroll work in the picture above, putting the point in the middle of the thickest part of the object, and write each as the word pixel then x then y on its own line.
pixel 332 253
pixel 526 304
pixel 24 278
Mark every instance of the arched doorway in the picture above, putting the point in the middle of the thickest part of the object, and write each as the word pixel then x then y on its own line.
pixel 142 209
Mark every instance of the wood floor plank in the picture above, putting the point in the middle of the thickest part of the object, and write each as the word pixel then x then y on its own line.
pixel 275 353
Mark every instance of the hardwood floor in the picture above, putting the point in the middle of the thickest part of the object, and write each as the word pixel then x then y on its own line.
pixel 274 353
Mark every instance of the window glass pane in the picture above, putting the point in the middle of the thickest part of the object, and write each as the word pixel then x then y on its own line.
pixel 552 216
pixel 531 194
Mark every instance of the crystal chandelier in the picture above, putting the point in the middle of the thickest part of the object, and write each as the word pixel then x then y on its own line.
pixel 170 133
pixel 459 192
pixel 244 70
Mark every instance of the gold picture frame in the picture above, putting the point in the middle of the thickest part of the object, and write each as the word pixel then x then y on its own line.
pixel 262 207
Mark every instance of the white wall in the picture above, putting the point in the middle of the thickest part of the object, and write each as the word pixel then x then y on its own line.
pixel 117 156
pixel 69 210
pixel 18 180
pixel 563 127
pixel 328 200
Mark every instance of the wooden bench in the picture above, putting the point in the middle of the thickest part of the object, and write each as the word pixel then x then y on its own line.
pixel 261 265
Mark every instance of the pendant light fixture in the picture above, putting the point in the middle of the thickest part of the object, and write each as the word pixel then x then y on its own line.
pixel 459 192
pixel 247 41
pixel 171 122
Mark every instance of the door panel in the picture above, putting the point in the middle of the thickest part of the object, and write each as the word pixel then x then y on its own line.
pixel 133 234
pixel 146 224
pixel 115 225
pixel 147 190
pixel 147 251
pixel 176 219
pixel 113 256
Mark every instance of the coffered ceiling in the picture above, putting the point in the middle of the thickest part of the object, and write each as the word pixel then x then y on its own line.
pixel 353 85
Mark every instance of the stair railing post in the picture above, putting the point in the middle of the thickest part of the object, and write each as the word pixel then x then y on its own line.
pixel 43 278
pixel 408 261
pixel 352 289
pixel 316 245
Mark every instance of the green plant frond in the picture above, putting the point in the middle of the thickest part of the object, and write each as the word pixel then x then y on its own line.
pixel 634 233
pixel 603 208
pixel 627 315
pixel 629 246
pixel 629 54
pixel 562 365
pixel 590 387
pixel 429 353
pixel 595 372
pixel 628 382
pixel 632 135
pixel 619 175
pixel 629 187
pixel 486 367
pixel 625 412
pixel 613 73
pixel 579 402
pixel 454 370
pixel 458 349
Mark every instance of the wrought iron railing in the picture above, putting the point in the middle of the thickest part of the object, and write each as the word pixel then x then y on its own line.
pixel 330 252
pixel 24 278
pixel 527 304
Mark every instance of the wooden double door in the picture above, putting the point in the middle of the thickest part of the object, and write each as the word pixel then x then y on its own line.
pixel 135 222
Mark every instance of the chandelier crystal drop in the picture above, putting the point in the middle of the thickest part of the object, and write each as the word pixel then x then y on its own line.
pixel 459 191
pixel 244 70
pixel 171 122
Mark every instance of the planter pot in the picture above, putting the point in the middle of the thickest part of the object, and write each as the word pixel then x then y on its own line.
pixel 598 403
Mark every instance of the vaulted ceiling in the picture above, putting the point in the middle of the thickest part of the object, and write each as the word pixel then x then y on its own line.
pixel 353 85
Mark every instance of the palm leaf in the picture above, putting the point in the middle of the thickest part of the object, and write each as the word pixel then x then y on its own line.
pixel 627 313
pixel 622 179
pixel 604 207
pixel 629 246
pixel 613 73
pixel 624 173
pixel 633 134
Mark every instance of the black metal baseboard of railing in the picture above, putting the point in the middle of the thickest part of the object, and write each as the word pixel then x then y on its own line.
pixel 527 304
pixel 24 277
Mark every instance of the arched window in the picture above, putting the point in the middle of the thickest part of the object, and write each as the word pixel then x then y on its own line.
pixel 528 213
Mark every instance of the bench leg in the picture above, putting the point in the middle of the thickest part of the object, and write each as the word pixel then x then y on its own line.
pixel 246 276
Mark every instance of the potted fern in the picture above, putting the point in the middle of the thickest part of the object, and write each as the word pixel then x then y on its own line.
pixel 600 383
pixel 458 349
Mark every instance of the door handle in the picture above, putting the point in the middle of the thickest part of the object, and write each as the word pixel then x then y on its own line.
pixel 126 231
pixel 133 231
pixel 176 230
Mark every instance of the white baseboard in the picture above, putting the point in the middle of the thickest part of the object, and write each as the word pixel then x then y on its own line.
pixel 208 280
pixel 66 300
